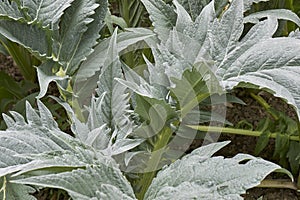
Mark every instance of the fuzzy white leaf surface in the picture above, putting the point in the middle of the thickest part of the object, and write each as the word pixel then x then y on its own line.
pixel 200 176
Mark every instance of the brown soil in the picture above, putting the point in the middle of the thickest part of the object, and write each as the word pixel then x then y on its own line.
pixel 8 66
pixel 252 112
pixel 51 194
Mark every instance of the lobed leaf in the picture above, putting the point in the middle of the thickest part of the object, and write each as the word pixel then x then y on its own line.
pixel 39 134
pixel 193 7
pixel 162 16
pixel 43 136
pixel 96 60
pixel 270 64
pixel 196 38
pixel 276 13
pixel 170 64
pixel 90 38
pixel 139 85
pixel 10 10
pixel 74 24
pixel 94 182
pixel 108 124
pixel 110 87
pixel 46 12
pixel 226 32
pixel 183 17
pixel 33 37
pixel 200 176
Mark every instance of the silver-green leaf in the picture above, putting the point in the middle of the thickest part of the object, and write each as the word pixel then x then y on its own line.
pixel 162 15
pixel 276 13
pixel 200 176
pixel 94 182
pixel 10 10
pixel 46 12
pixel 271 64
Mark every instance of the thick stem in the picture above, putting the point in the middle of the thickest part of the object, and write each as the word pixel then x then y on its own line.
pixel 264 104
pixel 236 131
pixel 77 110
pixel 278 184
pixel 154 161
pixel 3 188
pixel 73 102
